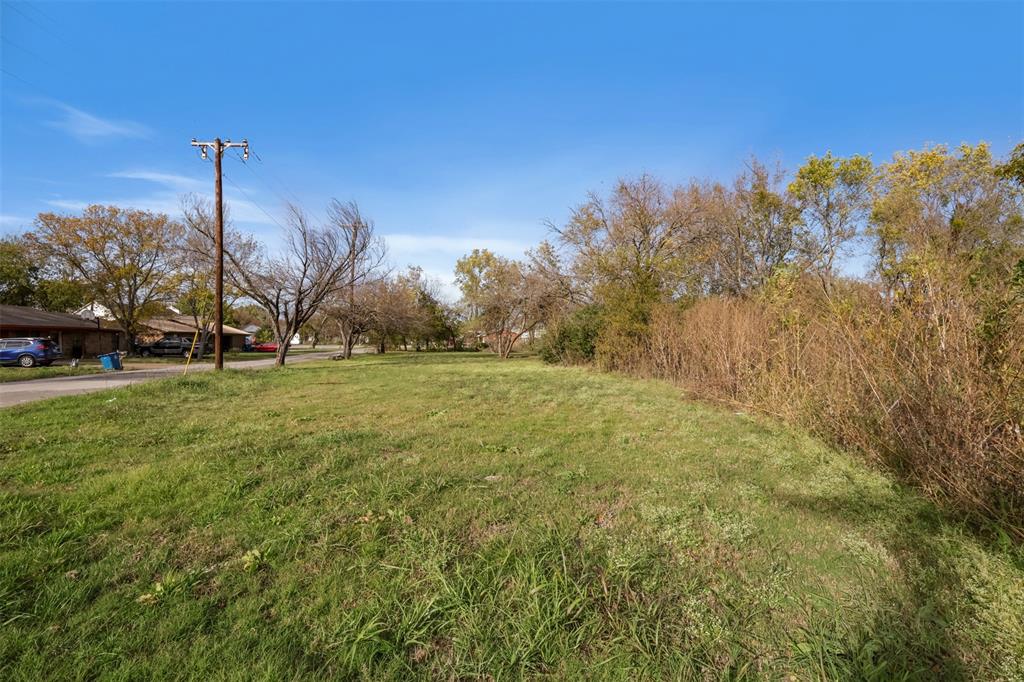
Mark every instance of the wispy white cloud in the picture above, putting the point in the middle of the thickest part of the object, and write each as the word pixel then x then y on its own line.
pixel 170 180
pixel 444 283
pixel 242 212
pixel 438 253
pixel 89 128
pixel 68 204
pixel 166 197
pixel 11 220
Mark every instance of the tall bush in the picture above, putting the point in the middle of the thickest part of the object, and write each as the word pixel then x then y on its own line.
pixel 573 341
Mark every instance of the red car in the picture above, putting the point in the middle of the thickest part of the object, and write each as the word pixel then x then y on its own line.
pixel 266 347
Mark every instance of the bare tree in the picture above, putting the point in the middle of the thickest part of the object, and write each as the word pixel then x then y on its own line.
pixel 196 267
pixel 350 307
pixel 314 264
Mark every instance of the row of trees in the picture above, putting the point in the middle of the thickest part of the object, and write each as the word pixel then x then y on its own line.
pixel 648 243
pixel 926 218
pixel 738 292
pixel 327 281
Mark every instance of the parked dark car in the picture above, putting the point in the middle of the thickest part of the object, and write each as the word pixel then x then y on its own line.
pixel 28 352
pixel 169 345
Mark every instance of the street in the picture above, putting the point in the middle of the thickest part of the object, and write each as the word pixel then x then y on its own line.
pixel 16 393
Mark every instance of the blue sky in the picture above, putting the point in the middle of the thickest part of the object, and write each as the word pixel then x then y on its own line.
pixel 461 125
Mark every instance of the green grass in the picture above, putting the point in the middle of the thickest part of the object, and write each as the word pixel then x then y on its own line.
pixel 8 374
pixel 92 366
pixel 455 516
pixel 229 356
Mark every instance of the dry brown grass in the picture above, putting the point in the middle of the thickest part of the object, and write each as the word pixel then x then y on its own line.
pixel 928 391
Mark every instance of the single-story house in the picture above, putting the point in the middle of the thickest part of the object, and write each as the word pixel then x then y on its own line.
pixel 77 337
pixel 172 324
pixel 185 325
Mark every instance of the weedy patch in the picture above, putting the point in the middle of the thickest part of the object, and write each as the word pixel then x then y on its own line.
pixel 252 560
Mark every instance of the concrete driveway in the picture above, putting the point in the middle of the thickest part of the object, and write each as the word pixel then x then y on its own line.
pixel 18 392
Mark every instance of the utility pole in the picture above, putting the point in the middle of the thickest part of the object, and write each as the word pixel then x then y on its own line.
pixel 349 341
pixel 218 297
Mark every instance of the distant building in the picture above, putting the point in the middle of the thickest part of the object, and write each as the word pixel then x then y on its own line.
pixel 185 325
pixel 251 330
pixel 77 337
pixel 93 311
pixel 174 324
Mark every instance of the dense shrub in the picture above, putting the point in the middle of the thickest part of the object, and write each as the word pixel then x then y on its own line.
pixel 938 398
pixel 573 340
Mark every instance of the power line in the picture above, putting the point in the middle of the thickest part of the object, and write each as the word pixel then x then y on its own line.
pixel 46 15
pixel 283 199
pixel 26 50
pixel 11 5
pixel 253 201
pixel 16 77
pixel 278 179
pixel 293 197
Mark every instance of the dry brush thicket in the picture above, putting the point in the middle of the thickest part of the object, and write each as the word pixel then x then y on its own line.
pixel 735 294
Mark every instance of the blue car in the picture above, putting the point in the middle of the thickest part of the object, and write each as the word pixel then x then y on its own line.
pixel 28 352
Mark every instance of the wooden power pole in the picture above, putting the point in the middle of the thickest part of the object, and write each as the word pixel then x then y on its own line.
pixel 218 296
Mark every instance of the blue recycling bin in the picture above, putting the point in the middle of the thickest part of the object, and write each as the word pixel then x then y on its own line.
pixel 111 361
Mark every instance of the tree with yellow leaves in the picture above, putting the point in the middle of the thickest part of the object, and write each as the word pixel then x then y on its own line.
pixel 125 257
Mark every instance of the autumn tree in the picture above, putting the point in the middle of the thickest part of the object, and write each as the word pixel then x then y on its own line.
pixel 470 273
pixel 834 196
pixel 632 251
pixel 947 225
pixel 1013 168
pixel 349 314
pixel 433 323
pixel 508 297
pixel 395 313
pixel 314 331
pixel 760 231
pixel 28 279
pixel 126 258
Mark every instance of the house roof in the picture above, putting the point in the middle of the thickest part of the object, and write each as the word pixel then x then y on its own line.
pixel 184 324
pixel 23 317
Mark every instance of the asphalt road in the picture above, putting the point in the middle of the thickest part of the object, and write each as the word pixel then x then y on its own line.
pixel 18 392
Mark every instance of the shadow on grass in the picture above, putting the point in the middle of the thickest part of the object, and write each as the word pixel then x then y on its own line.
pixel 907 633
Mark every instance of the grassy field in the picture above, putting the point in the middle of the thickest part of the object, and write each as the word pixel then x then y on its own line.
pixel 453 516
pixel 8 374
pixel 229 356
pixel 92 366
